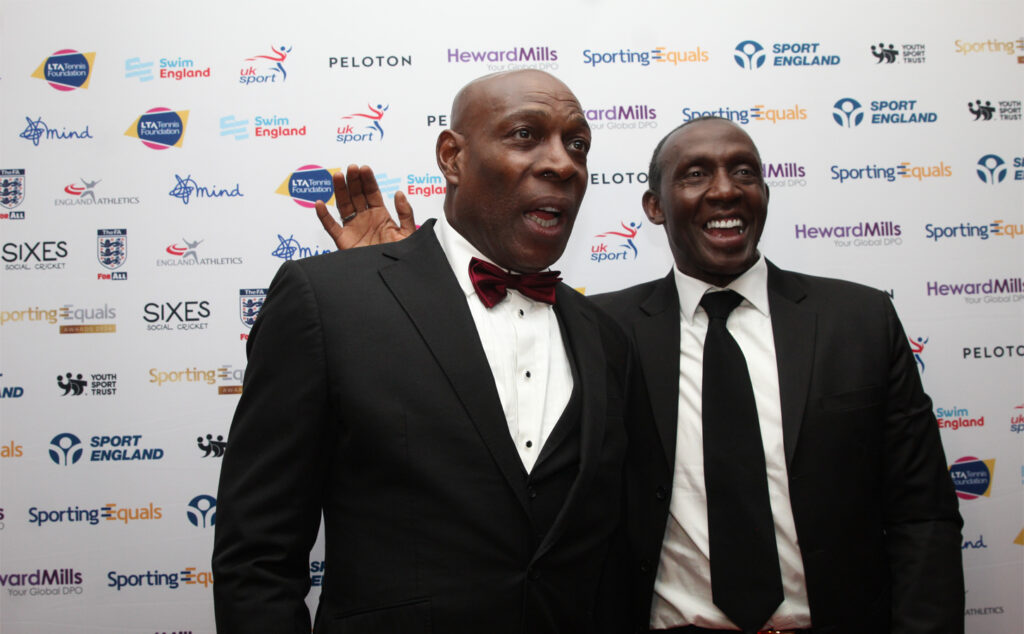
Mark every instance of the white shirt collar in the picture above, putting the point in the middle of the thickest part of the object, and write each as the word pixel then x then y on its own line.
pixel 459 252
pixel 752 285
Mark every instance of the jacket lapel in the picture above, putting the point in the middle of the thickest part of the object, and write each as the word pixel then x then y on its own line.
pixel 657 339
pixel 795 329
pixel 421 280
pixel 584 343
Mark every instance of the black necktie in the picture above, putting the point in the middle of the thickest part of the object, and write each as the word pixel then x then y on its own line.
pixel 746 583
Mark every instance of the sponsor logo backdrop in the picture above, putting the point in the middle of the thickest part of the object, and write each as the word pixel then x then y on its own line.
pixel 155 173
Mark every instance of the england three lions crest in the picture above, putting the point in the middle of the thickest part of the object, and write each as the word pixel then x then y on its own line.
pixel 112 247
pixel 12 187
pixel 250 300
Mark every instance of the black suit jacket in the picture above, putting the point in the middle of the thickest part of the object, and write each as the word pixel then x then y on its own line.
pixel 876 515
pixel 368 398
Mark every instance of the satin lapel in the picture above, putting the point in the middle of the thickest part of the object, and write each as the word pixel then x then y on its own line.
pixel 795 330
pixel 421 280
pixel 585 341
pixel 656 332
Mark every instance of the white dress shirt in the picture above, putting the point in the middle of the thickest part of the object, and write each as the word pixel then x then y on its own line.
pixel 523 344
pixel 682 589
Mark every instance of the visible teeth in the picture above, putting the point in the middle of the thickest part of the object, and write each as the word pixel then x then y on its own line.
pixel 544 222
pixel 726 223
pixel 548 209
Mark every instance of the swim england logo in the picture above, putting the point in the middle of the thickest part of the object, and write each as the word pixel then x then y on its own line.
pixel 992 169
pixel 66 70
pixel 160 128
pixel 65 449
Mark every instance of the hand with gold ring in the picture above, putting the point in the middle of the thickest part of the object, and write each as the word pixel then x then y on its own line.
pixel 365 219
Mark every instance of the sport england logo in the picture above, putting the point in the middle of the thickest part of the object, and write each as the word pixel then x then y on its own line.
pixel 752 55
pixel 202 511
pixel 250 301
pixel 12 188
pixel 112 251
pixel 266 68
pixel 66 70
pixel 849 113
pixel 347 133
pixel 972 477
pixel 993 169
pixel 308 184
pixel 625 249
pixel 65 449
pixel 160 128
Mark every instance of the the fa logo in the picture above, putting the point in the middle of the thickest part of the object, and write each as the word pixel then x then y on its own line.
pixel 112 247
pixel 250 300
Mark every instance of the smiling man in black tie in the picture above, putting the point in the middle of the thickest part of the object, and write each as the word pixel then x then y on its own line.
pixel 453 411
pixel 785 471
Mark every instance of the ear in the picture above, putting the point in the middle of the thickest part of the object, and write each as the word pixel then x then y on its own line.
pixel 767 193
pixel 652 207
pixel 449 155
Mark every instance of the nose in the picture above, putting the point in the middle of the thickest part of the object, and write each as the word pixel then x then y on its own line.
pixel 722 186
pixel 556 162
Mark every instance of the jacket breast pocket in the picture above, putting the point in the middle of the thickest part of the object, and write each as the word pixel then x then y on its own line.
pixel 409 617
pixel 863 398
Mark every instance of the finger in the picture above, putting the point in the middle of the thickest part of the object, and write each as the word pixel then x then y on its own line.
pixel 404 210
pixel 356 188
pixel 332 228
pixel 342 196
pixel 370 188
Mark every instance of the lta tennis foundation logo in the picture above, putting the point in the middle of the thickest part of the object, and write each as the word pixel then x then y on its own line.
pixel 308 184
pixel 972 477
pixel 160 128
pixel 66 70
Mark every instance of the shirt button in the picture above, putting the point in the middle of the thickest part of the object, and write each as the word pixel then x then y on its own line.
pixel 533 493
pixel 534 574
pixel 521 313
pixel 529 443
pixel 660 493
pixel 528 375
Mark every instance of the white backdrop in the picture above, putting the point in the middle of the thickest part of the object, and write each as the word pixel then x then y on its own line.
pixel 145 148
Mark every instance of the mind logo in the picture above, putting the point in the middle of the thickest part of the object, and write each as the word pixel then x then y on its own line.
pixel 66 70
pixel 160 128
pixel 972 477
pixel 624 250
pixel 309 184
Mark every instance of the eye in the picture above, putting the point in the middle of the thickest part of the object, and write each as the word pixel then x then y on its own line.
pixel 523 133
pixel 580 145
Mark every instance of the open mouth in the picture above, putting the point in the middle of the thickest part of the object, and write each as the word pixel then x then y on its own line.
pixel 725 227
pixel 546 217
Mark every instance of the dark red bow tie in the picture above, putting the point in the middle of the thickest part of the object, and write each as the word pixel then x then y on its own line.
pixel 492 283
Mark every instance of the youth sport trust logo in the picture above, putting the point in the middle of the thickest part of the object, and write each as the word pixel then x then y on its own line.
pixel 1007 109
pixel 972 477
pixel 66 70
pixel 160 128
pixel 886 54
pixel 625 249
pixel 265 68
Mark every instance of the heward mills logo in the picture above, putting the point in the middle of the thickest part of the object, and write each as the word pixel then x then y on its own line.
pixel 42 582
pixel 369 61
pixel 786 174
pixel 12 193
pixel 972 477
pixel 98 384
pixel 160 128
pixel 173 68
pixel 848 112
pixel 66 70
pixel 886 54
pixel 308 184
pixel 212 447
pixel 954 418
pixel 347 133
pixel 517 57
pixel 616 245
pixel 85 194
pixel 645 57
pixel 863 234
pixel 266 68
pixel 751 55
pixel 187 188
pixel 250 301
pixel 38 130
pixel 620 117
pixel 202 511
pixel 1006 109
pixel 112 252
pixel 185 254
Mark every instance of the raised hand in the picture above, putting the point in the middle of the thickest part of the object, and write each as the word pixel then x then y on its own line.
pixel 364 218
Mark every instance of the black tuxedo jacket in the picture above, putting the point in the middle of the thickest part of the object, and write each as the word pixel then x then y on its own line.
pixel 368 398
pixel 876 515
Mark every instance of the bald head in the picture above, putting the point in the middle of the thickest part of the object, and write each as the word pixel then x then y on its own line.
pixel 515 162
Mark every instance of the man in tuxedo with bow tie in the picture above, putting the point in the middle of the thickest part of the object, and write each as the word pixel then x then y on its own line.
pixel 785 471
pixel 451 409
